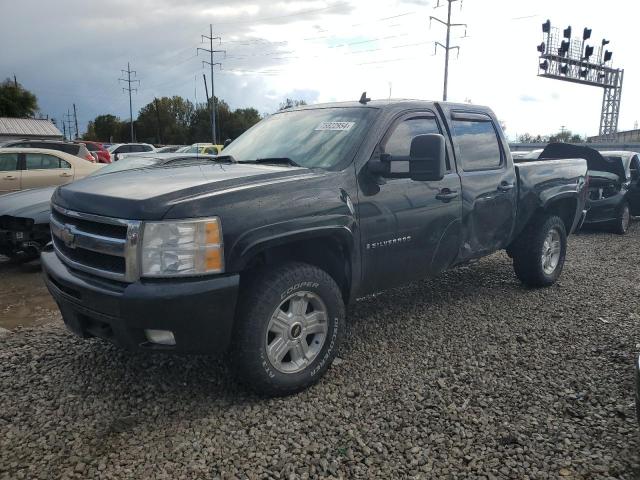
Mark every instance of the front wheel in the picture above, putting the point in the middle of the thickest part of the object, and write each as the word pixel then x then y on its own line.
pixel 290 324
pixel 539 252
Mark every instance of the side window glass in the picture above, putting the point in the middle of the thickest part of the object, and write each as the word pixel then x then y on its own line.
pixel 64 164
pixel 39 161
pixel 478 143
pixel 146 148
pixel 399 142
pixel 8 162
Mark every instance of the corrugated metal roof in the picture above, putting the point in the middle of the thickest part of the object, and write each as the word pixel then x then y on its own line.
pixel 28 127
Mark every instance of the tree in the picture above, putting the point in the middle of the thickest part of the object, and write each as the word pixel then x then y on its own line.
pixel 106 128
pixel 165 121
pixel 290 103
pixel 566 136
pixel 16 101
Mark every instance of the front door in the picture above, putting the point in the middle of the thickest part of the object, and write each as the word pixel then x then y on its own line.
pixel 410 229
pixel 488 183
pixel 44 170
pixel 10 175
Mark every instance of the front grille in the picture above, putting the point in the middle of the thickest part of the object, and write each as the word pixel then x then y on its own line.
pixel 103 246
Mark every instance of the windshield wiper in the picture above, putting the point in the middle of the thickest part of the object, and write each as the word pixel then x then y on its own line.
pixel 277 161
pixel 224 158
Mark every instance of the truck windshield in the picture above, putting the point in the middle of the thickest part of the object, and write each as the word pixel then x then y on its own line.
pixel 321 138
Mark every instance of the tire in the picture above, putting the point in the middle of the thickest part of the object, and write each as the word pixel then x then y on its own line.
pixel 260 339
pixel 534 260
pixel 623 220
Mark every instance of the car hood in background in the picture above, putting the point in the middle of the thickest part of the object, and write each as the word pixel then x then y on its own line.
pixel 147 194
pixel 34 203
pixel 595 161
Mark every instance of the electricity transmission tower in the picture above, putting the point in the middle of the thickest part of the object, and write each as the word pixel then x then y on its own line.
pixel 128 88
pixel 211 63
pixel 447 46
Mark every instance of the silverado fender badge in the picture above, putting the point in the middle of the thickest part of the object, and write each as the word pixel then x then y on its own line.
pixel 389 243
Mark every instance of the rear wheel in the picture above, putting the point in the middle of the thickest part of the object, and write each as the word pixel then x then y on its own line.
pixel 289 327
pixel 539 253
pixel 623 220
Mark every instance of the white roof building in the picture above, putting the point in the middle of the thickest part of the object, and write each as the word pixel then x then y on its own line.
pixel 28 128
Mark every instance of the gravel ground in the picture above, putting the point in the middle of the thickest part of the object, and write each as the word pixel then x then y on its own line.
pixel 466 376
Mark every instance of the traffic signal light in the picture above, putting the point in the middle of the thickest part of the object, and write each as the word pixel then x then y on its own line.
pixel 564 69
pixel 607 56
pixel 567 32
pixel 546 26
pixel 586 34
pixel 544 66
pixel 542 47
pixel 564 48
pixel 588 51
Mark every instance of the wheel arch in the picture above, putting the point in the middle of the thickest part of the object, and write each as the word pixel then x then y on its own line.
pixel 328 248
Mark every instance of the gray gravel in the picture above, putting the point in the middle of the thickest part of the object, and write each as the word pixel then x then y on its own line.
pixel 466 376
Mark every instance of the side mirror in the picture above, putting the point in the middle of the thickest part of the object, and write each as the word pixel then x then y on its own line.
pixel 427 158
pixel 227 142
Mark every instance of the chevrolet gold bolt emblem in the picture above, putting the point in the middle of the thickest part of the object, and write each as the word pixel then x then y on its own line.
pixel 67 236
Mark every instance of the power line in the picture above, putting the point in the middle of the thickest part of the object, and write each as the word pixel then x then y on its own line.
pixel 211 63
pixel 447 47
pixel 128 88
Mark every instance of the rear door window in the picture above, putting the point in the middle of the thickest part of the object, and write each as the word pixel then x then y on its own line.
pixel 42 161
pixel 146 148
pixel 8 162
pixel 478 144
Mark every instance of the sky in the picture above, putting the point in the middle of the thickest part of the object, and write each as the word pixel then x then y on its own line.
pixel 72 51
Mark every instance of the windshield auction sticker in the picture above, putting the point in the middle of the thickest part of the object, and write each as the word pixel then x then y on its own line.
pixel 335 126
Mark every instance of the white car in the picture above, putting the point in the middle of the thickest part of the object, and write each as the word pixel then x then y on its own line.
pixel 118 150
pixel 23 168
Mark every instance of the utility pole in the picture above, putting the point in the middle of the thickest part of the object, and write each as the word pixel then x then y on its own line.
pixel 159 129
pixel 128 88
pixel 211 63
pixel 75 119
pixel 447 46
pixel 64 129
pixel 68 122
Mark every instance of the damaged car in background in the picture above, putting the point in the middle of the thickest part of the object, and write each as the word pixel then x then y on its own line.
pixel 24 215
pixel 614 184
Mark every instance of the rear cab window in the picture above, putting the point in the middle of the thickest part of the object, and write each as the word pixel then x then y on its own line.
pixel 478 143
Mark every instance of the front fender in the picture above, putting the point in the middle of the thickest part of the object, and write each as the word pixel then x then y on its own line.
pixel 255 241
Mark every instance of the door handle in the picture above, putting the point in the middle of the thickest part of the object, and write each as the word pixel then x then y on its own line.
pixel 10 177
pixel 66 175
pixel 506 187
pixel 446 194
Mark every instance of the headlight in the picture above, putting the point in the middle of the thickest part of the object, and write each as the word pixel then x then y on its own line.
pixel 182 248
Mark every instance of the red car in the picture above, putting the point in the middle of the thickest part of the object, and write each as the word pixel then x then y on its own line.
pixel 102 153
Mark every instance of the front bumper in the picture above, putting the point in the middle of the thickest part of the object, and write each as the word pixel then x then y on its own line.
pixel 200 312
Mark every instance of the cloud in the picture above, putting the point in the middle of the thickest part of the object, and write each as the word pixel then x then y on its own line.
pixel 72 51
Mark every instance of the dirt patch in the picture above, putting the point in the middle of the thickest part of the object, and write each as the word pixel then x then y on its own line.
pixel 24 299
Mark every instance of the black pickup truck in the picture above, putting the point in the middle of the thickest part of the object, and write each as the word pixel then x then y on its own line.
pixel 256 252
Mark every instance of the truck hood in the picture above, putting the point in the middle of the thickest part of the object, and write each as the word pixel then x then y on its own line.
pixel 34 204
pixel 147 194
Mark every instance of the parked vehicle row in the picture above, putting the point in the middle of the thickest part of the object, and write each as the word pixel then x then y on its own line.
pixel 77 149
pixel 25 215
pixel 24 168
pixel 262 246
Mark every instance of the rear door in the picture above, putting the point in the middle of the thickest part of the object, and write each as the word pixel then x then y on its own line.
pixel 634 188
pixel 488 182
pixel 43 170
pixel 410 229
pixel 10 173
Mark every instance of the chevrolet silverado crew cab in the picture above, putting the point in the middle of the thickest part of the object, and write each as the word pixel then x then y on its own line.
pixel 255 253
